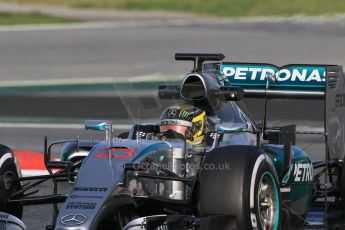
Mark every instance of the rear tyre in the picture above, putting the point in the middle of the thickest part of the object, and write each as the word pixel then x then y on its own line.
pixel 247 190
pixel 9 171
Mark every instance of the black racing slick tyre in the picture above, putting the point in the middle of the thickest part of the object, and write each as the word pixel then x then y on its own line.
pixel 240 182
pixel 9 171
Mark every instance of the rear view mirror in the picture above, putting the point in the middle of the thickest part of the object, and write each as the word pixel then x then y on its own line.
pixel 101 125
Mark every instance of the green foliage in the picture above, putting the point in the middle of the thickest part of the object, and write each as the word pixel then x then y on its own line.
pixel 31 18
pixel 224 8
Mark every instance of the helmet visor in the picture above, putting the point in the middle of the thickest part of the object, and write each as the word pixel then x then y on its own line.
pixel 177 128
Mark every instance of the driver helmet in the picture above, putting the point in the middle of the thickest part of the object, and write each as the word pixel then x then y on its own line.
pixel 185 119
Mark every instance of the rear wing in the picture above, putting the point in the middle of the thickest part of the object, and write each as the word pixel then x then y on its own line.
pixel 320 82
pixel 291 81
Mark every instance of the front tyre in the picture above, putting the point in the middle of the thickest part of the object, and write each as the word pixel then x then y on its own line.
pixel 248 190
pixel 9 171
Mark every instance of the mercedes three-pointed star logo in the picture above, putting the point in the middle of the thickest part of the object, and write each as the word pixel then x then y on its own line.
pixel 172 113
pixel 73 219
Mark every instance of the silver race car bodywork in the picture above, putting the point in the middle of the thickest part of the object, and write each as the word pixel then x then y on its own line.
pixel 99 186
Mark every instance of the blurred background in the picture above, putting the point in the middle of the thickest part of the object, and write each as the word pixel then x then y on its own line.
pixel 64 61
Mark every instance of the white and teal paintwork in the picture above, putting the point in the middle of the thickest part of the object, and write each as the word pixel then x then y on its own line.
pixel 300 181
pixel 290 77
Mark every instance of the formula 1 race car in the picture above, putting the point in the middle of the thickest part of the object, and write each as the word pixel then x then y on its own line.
pixel 242 176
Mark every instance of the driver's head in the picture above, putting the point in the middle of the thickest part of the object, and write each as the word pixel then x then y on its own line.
pixel 186 120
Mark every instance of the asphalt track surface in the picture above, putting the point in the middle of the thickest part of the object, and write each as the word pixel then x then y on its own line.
pixel 87 107
pixel 137 48
pixel 124 50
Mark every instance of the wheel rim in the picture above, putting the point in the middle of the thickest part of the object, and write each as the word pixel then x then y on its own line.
pixel 268 202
